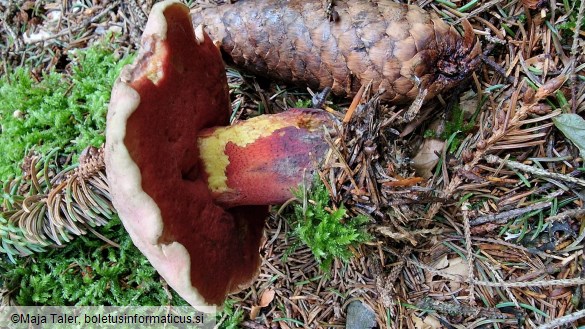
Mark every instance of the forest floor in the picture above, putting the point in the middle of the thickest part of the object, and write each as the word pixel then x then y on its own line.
pixel 476 205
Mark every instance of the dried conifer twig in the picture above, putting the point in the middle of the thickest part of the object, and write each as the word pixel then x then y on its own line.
pixel 533 170
pixel 563 320
pixel 53 209
pixel 76 28
pixel 459 309
pixel 574 55
pixel 504 216
pixel 541 283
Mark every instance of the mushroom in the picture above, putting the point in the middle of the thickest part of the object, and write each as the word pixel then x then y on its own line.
pixel 191 191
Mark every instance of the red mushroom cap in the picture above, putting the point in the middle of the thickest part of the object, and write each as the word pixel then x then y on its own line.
pixel 176 87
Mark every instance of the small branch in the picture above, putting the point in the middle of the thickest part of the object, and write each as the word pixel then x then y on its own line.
pixel 518 247
pixel 76 28
pixel 502 217
pixel 428 303
pixel 574 54
pixel 501 131
pixel 502 284
pixel 566 215
pixel 541 283
pixel 567 319
pixel 136 10
pixel 533 170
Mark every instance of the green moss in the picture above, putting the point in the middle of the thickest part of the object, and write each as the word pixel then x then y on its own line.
pixel 457 127
pixel 231 317
pixel 303 103
pixel 87 271
pixel 67 111
pixel 329 234
pixel 568 25
pixel 60 110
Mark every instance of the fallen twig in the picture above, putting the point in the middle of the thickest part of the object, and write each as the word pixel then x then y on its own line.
pixel 502 217
pixel 76 28
pixel 533 170
pixel 567 319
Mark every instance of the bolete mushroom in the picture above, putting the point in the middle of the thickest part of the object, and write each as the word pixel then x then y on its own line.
pixel 192 193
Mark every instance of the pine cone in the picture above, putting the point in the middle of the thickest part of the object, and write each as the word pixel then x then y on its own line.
pixel 400 48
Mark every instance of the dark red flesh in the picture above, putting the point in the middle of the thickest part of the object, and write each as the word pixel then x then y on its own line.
pixel 161 138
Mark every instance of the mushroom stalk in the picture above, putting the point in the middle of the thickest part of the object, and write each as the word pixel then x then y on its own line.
pixel 260 160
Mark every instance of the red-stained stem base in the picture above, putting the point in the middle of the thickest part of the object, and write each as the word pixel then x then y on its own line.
pixel 260 161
